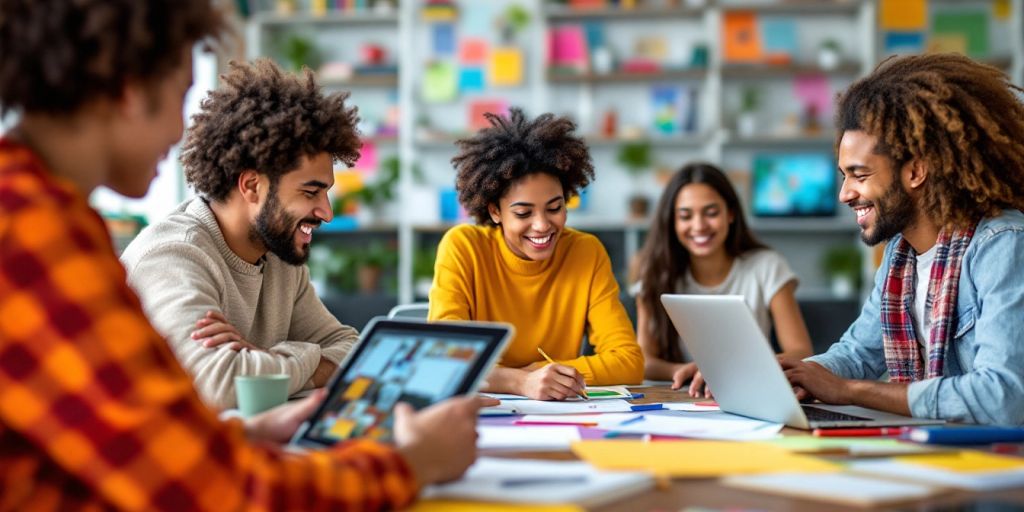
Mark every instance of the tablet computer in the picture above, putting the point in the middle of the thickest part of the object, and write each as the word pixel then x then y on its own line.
pixel 410 361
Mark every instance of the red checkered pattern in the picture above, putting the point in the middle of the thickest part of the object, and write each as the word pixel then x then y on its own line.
pixel 96 413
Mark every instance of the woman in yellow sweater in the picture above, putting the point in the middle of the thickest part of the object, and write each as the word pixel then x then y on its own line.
pixel 521 265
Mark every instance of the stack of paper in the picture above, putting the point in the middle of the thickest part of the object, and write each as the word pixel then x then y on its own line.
pixel 539 482
pixel 972 470
pixel 525 438
pixel 834 487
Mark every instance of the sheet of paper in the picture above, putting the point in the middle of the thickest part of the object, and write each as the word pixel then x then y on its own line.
pixel 534 481
pixel 850 446
pixel 542 407
pixel 691 407
pixel 531 438
pixel 834 487
pixel 976 471
pixel 446 505
pixel 607 421
pixel 702 426
pixel 697 459
pixel 902 14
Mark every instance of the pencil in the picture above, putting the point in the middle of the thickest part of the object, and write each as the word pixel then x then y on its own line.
pixel 583 393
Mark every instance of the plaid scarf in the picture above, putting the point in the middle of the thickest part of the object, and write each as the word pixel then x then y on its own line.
pixel 902 353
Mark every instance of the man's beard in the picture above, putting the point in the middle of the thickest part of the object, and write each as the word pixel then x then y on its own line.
pixel 275 229
pixel 894 212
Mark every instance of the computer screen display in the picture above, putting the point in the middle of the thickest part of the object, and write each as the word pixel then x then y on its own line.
pixel 794 185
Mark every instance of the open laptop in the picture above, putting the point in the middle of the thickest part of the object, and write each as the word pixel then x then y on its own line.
pixel 410 361
pixel 737 362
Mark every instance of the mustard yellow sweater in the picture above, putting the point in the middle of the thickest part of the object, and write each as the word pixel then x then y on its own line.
pixel 550 303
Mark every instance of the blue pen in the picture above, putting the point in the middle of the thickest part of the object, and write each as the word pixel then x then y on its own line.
pixel 646 407
pixel 637 395
pixel 966 435
pixel 639 417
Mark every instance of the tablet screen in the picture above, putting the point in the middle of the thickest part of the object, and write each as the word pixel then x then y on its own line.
pixel 420 365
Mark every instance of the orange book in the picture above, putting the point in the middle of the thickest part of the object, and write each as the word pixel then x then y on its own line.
pixel 741 40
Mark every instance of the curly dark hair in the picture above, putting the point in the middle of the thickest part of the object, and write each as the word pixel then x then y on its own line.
pixel 59 54
pixel 513 147
pixel 266 120
pixel 663 261
pixel 960 118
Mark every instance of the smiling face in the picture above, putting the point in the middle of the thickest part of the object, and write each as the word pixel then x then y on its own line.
pixel 872 188
pixel 703 220
pixel 295 206
pixel 531 215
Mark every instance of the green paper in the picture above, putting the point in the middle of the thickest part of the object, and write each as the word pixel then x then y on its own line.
pixel 973 25
pixel 440 83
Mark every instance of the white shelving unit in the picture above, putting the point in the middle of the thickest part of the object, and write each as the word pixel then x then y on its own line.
pixel 852 22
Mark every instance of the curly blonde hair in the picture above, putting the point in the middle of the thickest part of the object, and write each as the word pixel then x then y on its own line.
pixel 962 119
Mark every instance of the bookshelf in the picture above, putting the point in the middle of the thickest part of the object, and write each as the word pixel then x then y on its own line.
pixel 588 95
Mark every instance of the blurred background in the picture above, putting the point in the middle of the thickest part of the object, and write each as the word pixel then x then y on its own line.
pixel 652 84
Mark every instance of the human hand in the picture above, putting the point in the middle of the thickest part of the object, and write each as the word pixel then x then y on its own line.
pixel 439 442
pixel 811 380
pixel 279 424
pixel 683 373
pixel 698 387
pixel 322 374
pixel 214 330
pixel 553 382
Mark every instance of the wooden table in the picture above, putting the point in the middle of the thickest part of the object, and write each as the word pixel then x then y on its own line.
pixel 708 493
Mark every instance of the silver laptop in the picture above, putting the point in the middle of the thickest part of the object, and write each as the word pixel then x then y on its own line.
pixel 737 362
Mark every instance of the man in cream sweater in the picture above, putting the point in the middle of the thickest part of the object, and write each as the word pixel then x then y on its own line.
pixel 224 276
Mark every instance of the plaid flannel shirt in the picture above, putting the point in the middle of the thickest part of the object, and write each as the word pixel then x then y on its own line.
pixel 95 411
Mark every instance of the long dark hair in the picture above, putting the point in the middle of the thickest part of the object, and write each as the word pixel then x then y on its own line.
pixel 663 260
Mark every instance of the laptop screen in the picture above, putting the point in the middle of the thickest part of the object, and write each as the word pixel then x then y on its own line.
pixel 401 361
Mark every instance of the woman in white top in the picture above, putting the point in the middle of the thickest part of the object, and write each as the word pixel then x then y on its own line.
pixel 699 243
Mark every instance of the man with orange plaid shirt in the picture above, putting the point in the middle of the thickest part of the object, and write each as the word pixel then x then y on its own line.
pixel 95 412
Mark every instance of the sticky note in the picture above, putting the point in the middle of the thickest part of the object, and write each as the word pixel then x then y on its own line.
pixel 972 25
pixel 506 67
pixel 443 39
pixel 440 83
pixel 472 51
pixel 367 162
pixel 903 43
pixel 471 79
pixel 902 14
pixel 477 109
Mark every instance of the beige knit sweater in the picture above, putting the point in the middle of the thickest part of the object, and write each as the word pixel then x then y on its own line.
pixel 181 267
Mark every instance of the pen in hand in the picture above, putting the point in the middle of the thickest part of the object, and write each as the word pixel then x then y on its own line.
pixel 582 393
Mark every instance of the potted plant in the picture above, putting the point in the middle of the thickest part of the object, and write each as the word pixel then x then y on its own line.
pixel 423 271
pixel 373 196
pixel 746 122
pixel 370 265
pixel 829 54
pixel 513 22
pixel 635 156
pixel 298 51
pixel 842 266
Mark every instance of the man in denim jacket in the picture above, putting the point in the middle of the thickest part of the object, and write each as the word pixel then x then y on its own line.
pixel 931 149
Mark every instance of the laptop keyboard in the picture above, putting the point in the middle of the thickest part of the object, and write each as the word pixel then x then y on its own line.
pixel 818 414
